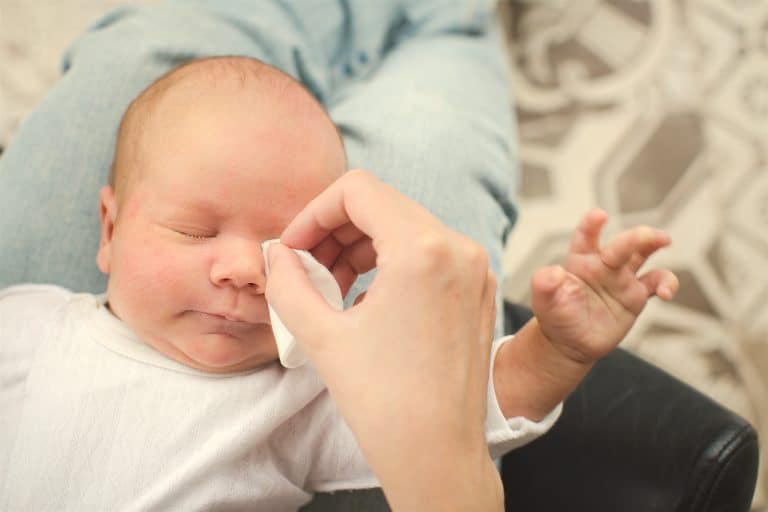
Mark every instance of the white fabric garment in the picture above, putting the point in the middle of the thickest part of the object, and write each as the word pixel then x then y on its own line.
pixel 93 419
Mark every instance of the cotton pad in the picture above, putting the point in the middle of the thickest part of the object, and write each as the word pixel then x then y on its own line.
pixel 291 354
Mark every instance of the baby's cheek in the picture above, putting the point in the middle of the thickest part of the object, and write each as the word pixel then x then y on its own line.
pixel 171 270
pixel 151 268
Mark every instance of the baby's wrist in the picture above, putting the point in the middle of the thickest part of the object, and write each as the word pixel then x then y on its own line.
pixel 532 376
pixel 569 355
pixel 556 356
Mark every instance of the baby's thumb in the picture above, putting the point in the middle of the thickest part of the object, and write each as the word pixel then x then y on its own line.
pixel 291 294
pixel 544 286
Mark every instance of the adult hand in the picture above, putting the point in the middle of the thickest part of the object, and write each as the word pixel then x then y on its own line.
pixel 408 364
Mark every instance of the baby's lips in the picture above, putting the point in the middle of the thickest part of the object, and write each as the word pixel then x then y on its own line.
pixel 256 312
pixel 235 318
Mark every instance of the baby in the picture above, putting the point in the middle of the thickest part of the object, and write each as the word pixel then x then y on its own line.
pixel 211 161
pixel 166 393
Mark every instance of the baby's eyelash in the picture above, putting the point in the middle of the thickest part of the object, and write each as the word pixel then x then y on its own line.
pixel 193 236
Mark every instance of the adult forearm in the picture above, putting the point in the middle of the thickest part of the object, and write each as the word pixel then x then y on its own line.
pixel 531 376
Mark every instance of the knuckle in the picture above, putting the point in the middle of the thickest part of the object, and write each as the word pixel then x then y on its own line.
pixel 432 251
pixel 358 177
pixel 477 256
pixel 354 174
pixel 435 246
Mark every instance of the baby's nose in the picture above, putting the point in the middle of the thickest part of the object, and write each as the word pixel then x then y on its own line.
pixel 242 268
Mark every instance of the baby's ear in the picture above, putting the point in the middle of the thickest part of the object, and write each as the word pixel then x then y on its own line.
pixel 107 216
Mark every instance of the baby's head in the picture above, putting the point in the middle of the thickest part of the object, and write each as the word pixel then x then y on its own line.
pixel 212 159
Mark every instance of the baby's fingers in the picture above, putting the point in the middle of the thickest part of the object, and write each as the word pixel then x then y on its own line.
pixel 633 247
pixel 660 282
pixel 586 238
pixel 544 286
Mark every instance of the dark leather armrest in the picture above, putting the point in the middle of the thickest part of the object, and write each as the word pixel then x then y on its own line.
pixel 633 438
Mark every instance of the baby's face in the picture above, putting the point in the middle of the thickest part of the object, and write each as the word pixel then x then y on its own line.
pixel 224 173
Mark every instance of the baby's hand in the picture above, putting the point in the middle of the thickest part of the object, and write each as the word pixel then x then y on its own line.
pixel 587 307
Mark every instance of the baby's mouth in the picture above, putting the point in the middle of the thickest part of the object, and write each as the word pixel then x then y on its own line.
pixel 231 318
pixel 211 323
pixel 228 317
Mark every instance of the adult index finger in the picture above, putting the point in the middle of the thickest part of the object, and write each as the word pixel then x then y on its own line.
pixel 358 198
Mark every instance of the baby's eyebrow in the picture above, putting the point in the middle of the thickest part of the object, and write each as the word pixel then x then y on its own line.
pixel 196 206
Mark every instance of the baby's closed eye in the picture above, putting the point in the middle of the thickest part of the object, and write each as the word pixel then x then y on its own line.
pixel 193 233
pixel 195 236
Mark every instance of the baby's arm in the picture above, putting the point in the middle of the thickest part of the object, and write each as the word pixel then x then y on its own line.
pixel 582 311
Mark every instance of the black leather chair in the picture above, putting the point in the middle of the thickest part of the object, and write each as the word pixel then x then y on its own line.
pixel 631 438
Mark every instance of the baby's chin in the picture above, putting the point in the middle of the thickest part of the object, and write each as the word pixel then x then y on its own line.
pixel 225 353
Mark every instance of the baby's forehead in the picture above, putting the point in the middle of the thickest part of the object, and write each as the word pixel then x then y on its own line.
pixel 233 78
pixel 236 86
pixel 188 98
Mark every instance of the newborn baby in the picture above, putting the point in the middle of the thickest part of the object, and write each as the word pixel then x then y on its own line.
pixel 165 393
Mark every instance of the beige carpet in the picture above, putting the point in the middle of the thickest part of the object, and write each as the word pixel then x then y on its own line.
pixel 656 110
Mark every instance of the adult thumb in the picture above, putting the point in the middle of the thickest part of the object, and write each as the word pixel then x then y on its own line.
pixel 290 292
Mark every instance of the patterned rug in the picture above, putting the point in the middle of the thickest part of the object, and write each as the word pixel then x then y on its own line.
pixel 655 110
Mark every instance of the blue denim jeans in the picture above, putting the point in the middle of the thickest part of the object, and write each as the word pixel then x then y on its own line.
pixel 419 90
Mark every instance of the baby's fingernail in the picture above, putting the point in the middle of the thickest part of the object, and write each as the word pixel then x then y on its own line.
pixel 557 275
pixel 598 213
pixel 646 234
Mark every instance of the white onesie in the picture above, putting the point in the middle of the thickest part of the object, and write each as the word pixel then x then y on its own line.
pixel 94 419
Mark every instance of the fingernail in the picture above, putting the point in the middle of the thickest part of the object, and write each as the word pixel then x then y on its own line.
pixel 647 234
pixel 598 214
pixel 557 276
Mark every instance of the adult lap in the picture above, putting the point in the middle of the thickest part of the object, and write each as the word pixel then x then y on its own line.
pixel 51 173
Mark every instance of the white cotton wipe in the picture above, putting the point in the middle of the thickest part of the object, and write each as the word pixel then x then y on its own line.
pixel 291 353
